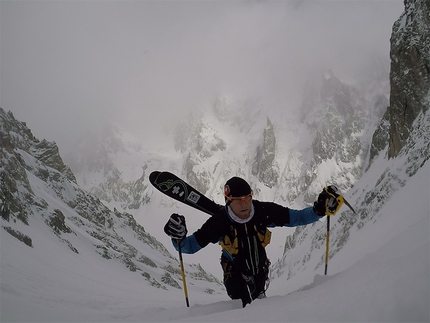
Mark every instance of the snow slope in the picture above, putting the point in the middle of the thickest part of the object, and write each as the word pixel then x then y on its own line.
pixel 381 275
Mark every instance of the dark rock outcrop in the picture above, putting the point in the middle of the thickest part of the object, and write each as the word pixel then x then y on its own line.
pixel 410 71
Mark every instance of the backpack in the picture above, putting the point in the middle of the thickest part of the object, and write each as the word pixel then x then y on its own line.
pixel 245 244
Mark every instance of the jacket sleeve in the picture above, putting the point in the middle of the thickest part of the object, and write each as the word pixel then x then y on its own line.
pixel 302 217
pixel 280 216
pixel 210 232
pixel 188 245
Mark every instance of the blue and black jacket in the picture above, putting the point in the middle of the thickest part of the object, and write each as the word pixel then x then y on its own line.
pixel 244 243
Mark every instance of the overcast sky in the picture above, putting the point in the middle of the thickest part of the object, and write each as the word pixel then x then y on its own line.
pixel 68 66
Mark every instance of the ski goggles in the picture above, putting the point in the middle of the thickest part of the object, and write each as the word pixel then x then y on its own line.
pixel 245 198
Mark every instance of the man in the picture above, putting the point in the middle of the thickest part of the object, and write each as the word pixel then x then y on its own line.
pixel 241 229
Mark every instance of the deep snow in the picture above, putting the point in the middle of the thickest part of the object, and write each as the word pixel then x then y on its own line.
pixel 381 275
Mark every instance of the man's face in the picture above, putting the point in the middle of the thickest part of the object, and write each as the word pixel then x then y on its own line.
pixel 241 206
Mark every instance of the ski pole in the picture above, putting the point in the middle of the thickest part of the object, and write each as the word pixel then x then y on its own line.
pixel 333 204
pixel 183 273
pixel 327 241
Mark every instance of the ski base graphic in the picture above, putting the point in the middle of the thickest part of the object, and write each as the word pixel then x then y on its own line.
pixel 176 188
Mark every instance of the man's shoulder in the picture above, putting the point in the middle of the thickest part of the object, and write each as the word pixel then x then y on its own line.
pixel 267 203
pixel 264 205
pixel 220 216
pixel 221 212
pixel 268 209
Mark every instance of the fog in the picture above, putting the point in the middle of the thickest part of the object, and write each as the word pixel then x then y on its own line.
pixel 68 67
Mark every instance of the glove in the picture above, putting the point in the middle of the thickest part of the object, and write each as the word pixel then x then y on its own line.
pixel 329 201
pixel 176 227
pixel 320 203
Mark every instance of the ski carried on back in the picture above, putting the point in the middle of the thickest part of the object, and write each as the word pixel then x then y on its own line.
pixel 176 188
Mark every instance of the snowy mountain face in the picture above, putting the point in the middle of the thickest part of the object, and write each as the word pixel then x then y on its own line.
pixel 338 117
pixel 44 199
pixel 287 156
pixel 337 134
pixel 279 155
pixel 67 224
pixel 96 159
pixel 305 244
pixel 15 136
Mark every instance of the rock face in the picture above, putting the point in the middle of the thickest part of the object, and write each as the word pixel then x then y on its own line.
pixel 93 162
pixel 16 143
pixel 264 165
pixel 410 71
pixel 404 128
pixel 292 155
pixel 336 116
pixel 43 199
pixel 15 134
pixel 198 143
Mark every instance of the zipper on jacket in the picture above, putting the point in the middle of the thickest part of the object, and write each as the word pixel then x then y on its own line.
pixel 252 259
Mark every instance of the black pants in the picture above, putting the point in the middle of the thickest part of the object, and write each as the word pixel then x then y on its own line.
pixel 242 286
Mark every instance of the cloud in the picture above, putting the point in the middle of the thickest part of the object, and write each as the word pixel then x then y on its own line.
pixel 69 66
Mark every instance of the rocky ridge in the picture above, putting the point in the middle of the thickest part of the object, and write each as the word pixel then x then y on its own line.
pixel 410 72
pixel 42 197
pixel 403 134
